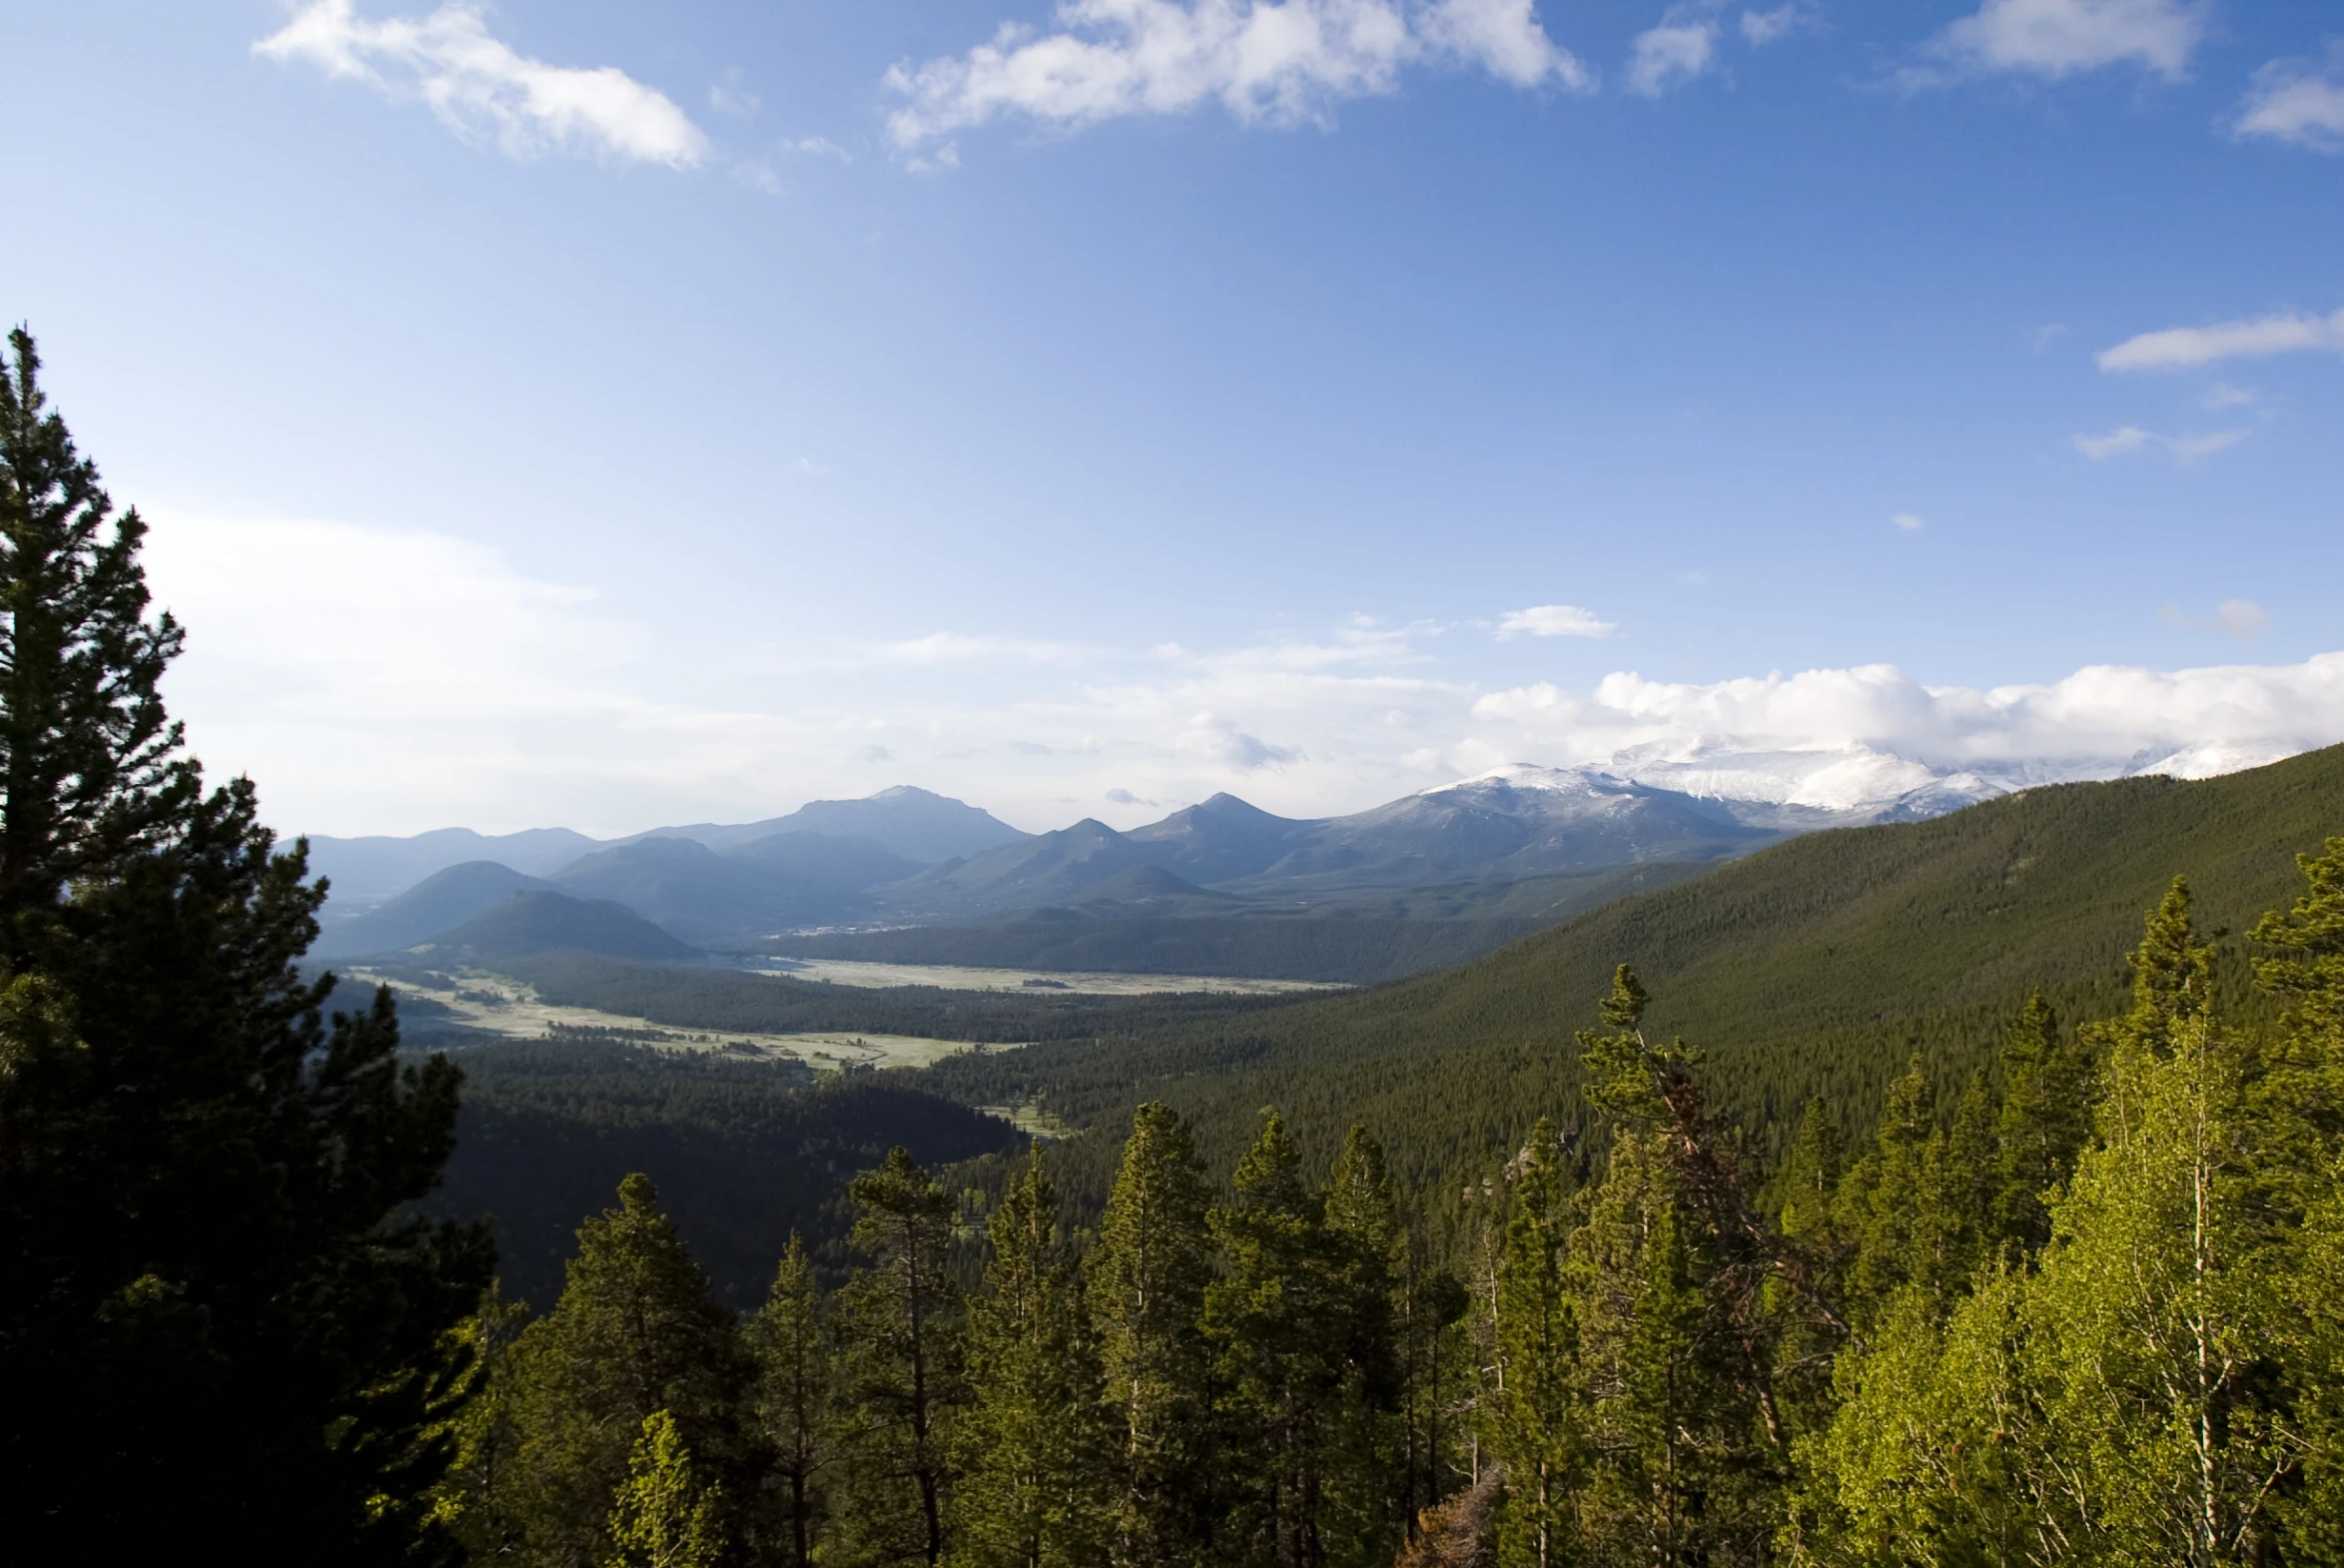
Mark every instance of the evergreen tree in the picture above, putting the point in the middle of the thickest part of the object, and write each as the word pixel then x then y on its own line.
pixel 210 1300
pixel 635 1334
pixel 1675 1473
pixel 1903 1204
pixel 1276 1320
pixel 1146 1279
pixel 663 1516
pixel 2046 1117
pixel 1810 1175
pixel 1536 1427
pixel 899 1325
pixel 1436 1394
pixel 479 1502
pixel 1366 1507
pixel 796 1386
pixel 1033 1485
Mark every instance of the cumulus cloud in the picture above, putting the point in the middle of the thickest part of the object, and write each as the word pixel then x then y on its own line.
pixel 1274 62
pixel 486 92
pixel 1553 620
pixel 1670 54
pixel 2057 38
pixel 460 688
pixel 2299 101
pixel 2185 347
pixel 1907 522
pixel 2098 722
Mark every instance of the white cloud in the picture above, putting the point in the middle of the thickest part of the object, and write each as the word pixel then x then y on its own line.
pixel 1553 620
pixel 757 177
pixel 1760 28
pixel 1275 62
pixel 729 97
pixel 2099 721
pixel 2221 395
pixel 2057 38
pixel 819 146
pixel 1907 522
pixel 2242 620
pixel 1670 54
pixel 941 647
pixel 2130 438
pixel 1218 740
pixel 2299 101
pixel 2115 443
pixel 2182 347
pixel 435 683
pixel 485 91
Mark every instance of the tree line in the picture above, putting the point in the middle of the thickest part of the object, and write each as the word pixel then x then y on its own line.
pixel 2093 1314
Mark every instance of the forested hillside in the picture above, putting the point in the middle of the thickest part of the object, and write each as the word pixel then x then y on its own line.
pixel 2090 1316
pixel 745 1152
pixel 1812 968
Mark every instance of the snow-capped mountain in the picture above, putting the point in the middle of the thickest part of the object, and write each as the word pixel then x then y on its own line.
pixel 1843 786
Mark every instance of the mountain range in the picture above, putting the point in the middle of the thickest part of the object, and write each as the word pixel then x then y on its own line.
pixel 1512 849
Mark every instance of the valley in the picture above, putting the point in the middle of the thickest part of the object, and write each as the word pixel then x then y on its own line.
pixel 1221 887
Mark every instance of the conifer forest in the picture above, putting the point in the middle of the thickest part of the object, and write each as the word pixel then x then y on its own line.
pixel 2055 1281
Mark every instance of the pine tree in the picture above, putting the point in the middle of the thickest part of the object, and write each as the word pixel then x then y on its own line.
pixel 210 1299
pixel 1534 1425
pixel 478 1502
pixel 1436 1392
pixel 1274 1317
pixel 1810 1175
pixel 1900 1204
pixel 1033 1487
pixel 899 1325
pixel 795 1389
pixel 663 1516
pixel 1367 1506
pixel 1146 1278
pixel 2044 1118
pixel 635 1334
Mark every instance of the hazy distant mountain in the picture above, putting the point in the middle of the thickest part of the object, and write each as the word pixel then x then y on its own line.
pixel 1047 868
pixel 1222 839
pixel 541 922
pixel 914 823
pixel 368 870
pixel 766 885
pixel 439 903
pixel 1516 823
pixel 821 861
pixel 1520 824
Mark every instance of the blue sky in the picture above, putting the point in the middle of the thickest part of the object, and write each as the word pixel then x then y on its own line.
pixel 610 414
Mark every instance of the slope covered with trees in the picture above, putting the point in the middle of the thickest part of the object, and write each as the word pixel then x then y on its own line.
pixel 1815 967
pixel 2087 1312
pixel 745 1152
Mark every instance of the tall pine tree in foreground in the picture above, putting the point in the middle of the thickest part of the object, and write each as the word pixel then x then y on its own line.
pixel 635 1334
pixel 213 1322
pixel 1147 1282
pixel 899 1331
pixel 796 1394
pixel 1033 1488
